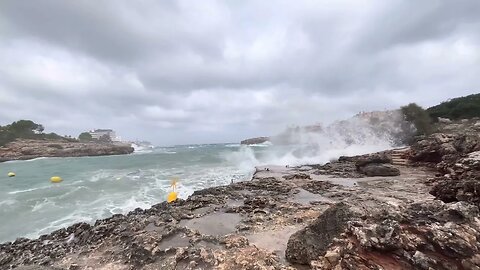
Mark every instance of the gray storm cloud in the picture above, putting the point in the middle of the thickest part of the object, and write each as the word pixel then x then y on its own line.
pixel 214 71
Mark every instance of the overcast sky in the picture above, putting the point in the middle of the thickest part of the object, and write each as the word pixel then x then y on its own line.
pixel 177 72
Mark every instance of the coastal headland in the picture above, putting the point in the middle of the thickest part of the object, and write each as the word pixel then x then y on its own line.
pixel 24 149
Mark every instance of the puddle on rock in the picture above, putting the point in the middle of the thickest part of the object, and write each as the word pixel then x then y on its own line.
pixel 304 197
pixel 174 241
pixel 213 224
pixel 273 241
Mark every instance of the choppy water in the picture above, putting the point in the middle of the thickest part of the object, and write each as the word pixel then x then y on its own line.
pixel 97 187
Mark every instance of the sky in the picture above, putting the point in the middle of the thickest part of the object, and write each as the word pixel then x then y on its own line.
pixel 180 72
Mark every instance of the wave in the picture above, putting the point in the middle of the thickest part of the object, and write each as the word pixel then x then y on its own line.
pixel 353 137
pixel 8 202
pixel 40 205
pixel 27 190
pixel 28 160
pixel 264 144
pixel 235 145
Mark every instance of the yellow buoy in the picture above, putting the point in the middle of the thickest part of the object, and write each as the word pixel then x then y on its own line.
pixel 56 179
pixel 172 196
pixel 11 174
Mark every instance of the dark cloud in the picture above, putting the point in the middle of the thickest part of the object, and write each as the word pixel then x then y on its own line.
pixel 179 72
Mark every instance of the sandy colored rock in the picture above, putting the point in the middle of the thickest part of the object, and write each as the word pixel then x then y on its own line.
pixel 30 149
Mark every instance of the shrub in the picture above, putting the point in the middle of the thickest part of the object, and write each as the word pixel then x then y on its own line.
pixel 419 117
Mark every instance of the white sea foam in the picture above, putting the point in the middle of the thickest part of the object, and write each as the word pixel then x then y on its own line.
pixel 306 146
pixel 42 204
pixel 27 190
pixel 234 145
pixel 28 160
pixel 7 202
pixel 264 144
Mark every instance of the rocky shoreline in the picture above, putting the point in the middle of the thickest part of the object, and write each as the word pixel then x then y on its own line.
pixel 331 216
pixel 30 149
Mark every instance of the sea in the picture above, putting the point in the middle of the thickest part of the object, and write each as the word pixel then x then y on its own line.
pixel 98 187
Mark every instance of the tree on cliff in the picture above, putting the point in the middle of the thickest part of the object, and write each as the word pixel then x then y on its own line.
pixel 85 137
pixel 105 139
pixel 457 108
pixel 419 118
pixel 25 128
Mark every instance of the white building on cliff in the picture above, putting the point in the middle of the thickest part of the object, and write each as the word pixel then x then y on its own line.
pixel 98 133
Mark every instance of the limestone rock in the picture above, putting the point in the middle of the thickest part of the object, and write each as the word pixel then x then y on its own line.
pixel 313 241
pixel 374 169
pixel 29 149
pixel 378 158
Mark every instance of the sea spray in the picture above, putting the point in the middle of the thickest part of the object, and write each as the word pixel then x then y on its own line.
pixel 364 133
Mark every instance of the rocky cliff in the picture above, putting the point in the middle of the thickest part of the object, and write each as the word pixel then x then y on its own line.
pixel 29 149
pixel 456 157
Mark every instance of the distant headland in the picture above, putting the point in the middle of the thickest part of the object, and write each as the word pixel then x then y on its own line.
pixel 25 139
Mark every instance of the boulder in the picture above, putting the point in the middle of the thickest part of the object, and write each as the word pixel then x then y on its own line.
pixel 423 235
pixel 313 241
pixel 375 169
pixel 379 158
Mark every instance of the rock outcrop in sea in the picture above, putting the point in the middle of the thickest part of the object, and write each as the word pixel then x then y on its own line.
pixel 28 149
pixel 257 140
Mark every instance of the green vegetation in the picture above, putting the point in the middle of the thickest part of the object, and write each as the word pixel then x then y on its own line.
pixel 105 139
pixel 419 117
pixel 26 129
pixel 457 108
pixel 85 137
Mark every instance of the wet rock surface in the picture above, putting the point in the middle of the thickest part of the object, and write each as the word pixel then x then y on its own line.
pixel 283 218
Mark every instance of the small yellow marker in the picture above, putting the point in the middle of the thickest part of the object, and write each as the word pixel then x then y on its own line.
pixel 11 174
pixel 56 179
pixel 172 196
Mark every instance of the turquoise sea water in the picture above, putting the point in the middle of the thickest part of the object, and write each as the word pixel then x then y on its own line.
pixel 97 187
